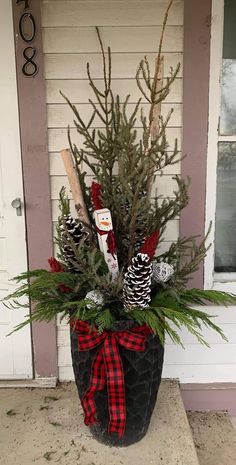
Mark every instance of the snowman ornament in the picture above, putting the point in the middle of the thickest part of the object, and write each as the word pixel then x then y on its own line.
pixel 106 239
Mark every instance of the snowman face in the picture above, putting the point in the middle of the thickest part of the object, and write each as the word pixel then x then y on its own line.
pixel 104 220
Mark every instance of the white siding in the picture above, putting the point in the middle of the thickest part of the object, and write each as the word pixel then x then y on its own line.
pixel 195 363
pixel 132 29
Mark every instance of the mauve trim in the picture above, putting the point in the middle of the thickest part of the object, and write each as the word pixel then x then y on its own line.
pixel 35 162
pixel 196 70
pixel 215 396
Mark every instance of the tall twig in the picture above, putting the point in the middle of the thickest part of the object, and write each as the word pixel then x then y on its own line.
pixel 157 86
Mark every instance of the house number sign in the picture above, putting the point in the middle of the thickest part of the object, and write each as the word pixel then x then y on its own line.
pixel 27 31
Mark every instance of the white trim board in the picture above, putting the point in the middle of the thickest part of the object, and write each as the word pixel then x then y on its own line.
pixel 16 350
pixel 29 383
pixel 213 280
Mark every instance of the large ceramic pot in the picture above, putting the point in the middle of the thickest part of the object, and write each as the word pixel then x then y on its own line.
pixel 142 377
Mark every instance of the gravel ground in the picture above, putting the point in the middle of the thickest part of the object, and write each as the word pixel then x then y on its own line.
pixel 214 437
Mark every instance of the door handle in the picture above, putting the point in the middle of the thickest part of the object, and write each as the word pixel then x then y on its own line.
pixel 16 203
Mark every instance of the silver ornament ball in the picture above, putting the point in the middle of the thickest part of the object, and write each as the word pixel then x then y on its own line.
pixel 162 272
pixel 94 298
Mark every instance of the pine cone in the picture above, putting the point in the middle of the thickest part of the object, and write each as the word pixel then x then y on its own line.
pixel 137 282
pixel 71 229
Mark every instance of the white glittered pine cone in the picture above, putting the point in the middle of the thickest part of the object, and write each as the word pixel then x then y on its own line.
pixel 94 298
pixel 162 272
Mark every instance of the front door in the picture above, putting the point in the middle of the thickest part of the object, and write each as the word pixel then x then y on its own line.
pixel 15 351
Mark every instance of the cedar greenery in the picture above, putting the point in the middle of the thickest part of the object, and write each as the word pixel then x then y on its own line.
pixel 127 164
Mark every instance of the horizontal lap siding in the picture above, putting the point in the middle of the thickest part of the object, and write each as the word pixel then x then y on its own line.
pixel 194 363
pixel 109 13
pixel 132 29
pixel 60 115
pixel 124 65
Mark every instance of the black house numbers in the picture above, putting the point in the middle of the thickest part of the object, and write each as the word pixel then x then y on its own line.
pixel 27 31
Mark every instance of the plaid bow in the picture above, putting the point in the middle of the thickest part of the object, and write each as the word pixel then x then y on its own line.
pixel 107 368
pixel 111 240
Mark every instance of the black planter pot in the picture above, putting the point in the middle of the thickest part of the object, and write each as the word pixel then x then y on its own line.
pixel 142 377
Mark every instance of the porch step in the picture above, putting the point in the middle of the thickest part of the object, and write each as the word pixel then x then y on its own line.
pixel 52 420
pixel 214 436
pixel 170 429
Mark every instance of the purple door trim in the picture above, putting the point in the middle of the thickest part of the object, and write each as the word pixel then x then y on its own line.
pixel 33 129
pixel 213 396
pixel 196 69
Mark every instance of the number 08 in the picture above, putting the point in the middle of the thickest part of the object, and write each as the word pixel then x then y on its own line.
pixel 26 2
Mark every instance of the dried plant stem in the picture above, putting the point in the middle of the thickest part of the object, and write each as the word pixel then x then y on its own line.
pixel 75 187
pixel 163 30
pixel 157 85
pixel 155 113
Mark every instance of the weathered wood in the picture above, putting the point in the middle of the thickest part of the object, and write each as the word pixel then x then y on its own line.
pixel 75 186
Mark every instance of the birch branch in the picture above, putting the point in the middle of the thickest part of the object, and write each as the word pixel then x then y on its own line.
pixel 75 187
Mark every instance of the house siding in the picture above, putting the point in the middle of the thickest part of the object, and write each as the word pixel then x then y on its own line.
pixel 132 29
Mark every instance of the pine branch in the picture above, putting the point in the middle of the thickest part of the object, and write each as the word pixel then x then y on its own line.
pixel 204 297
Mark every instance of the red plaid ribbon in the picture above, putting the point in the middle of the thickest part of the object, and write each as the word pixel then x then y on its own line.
pixel 107 368
pixel 111 240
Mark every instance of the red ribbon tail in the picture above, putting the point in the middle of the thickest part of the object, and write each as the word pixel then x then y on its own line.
pixel 115 386
pixel 107 368
pixel 97 383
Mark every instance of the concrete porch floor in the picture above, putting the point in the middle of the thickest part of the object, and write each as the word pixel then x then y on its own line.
pixel 214 437
pixel 46 425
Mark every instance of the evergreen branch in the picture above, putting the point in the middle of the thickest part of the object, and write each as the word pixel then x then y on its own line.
pixel 202 297
pixel 107 82
pixel 161 43
pixel 104 320
pixel 147 317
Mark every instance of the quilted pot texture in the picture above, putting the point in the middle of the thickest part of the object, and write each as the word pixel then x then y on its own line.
pixel 142 377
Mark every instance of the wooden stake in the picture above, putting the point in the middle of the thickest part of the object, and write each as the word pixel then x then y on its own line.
pixel 104 225
pixel 75 186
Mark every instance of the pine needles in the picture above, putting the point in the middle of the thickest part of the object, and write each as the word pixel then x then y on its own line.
pixel 127 162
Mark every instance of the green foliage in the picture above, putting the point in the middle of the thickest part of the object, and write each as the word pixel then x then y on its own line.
pixel 177 310
pixel 186 256
pixel 168 312
pixel 124 162
pixel 44 292
pixel 128 164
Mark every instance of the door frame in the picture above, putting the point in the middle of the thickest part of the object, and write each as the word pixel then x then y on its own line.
pixel 16 351
pixel 36 179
